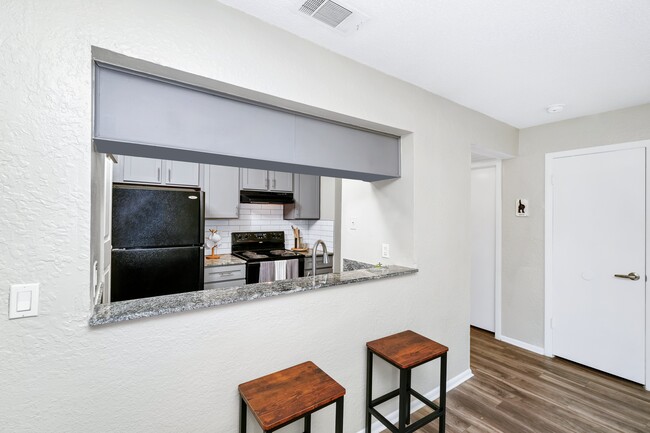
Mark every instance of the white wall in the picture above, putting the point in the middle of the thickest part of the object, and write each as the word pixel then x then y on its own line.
pixel 180 372
pixel 523 238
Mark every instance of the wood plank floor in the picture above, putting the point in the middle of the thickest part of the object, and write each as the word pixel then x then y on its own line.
pixel 517 391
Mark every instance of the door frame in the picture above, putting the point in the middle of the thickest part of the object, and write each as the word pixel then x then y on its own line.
pixel 496 163
pixel 548 239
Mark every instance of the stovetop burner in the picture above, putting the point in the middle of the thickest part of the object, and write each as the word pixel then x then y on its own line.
pixel 284 253
pixel 261 246
pixel 254 255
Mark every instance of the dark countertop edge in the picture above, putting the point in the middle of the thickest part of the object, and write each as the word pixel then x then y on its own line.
pixel 104 314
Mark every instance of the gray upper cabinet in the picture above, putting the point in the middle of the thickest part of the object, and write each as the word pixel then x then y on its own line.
pixel 141 170
pixel 307 198
pixel 266 180
pixel 254 179
pixel 132 169
pixel 281 181
pixel 221 186
pixel 182 173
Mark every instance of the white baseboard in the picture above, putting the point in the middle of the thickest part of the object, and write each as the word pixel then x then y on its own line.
pixel 536 349
pixel 417 404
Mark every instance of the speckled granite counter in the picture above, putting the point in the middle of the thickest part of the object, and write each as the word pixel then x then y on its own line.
pixel 225 260
pixel 149 307
pixel 353 265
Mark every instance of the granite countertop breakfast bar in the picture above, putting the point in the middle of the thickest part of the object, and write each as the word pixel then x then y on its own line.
pixel 104 314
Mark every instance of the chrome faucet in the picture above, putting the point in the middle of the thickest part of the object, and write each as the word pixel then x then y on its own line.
pixel 314 249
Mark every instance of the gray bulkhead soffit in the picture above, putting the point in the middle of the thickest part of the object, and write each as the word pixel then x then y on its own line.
pixel 142 115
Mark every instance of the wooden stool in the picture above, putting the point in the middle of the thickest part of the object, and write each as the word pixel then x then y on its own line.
pixel 405 351
pixel 288 395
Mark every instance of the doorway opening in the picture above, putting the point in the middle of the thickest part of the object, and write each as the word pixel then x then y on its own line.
pixel 485 215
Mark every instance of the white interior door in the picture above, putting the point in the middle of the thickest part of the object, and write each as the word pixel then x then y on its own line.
pixel 484 223
pixel 598 231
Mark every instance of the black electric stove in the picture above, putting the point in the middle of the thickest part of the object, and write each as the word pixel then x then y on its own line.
pixel 258 247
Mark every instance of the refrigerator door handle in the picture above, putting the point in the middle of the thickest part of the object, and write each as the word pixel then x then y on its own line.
pixel 201 268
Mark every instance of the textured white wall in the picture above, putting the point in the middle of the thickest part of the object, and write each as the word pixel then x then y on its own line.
pixel 179 373
pixel 523 238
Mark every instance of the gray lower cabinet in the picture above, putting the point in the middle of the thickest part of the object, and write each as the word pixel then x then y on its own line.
pixel 215 277
pixel 221 186
pixel 266 180
pixel 321 268
pixel 306 194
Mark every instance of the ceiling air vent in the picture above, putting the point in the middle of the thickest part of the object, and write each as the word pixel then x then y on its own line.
pixel 333 14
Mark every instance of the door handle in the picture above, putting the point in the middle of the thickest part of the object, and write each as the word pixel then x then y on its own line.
pixel 631 276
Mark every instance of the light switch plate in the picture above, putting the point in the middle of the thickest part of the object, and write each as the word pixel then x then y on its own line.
pixel 385 251
pixel 23 300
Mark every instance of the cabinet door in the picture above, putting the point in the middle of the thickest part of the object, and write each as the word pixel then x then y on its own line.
pixel 221 187
pixel 280 181
pixel 254 179
pixel 182 173
pixel 143 170
pixel 308 197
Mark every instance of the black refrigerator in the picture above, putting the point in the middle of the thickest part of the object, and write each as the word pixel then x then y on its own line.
pixel 157 237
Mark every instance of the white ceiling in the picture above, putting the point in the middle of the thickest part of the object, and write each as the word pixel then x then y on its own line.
pixel 508 59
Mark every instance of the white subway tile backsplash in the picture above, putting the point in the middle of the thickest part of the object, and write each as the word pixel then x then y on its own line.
pixel 268 217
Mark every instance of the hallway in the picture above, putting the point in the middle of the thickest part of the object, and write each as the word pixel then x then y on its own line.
pixel 517 391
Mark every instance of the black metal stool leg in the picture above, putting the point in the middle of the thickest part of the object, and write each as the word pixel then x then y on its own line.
pixel 242 417
pixel 368 389
pixel 403 398
pixel 408 397
pixel 339 416
pixel 443 393
pixel 308 423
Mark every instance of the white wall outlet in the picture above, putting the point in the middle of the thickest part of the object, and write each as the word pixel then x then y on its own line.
pixel 385 251
pixel 353 223
pixel 23 300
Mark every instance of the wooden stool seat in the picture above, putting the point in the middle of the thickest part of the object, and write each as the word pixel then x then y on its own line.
pixel 406 350
pixel 288 395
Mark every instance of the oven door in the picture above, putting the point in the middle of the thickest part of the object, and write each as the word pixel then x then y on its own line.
pixel 264 271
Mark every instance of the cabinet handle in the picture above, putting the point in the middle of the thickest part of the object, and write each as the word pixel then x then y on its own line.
pixel 223 273
pixel 273 183
pixel 158 174
pixel 169 175
pixel 266 183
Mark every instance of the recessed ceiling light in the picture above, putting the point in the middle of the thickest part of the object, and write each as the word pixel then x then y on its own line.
pixel 555 108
